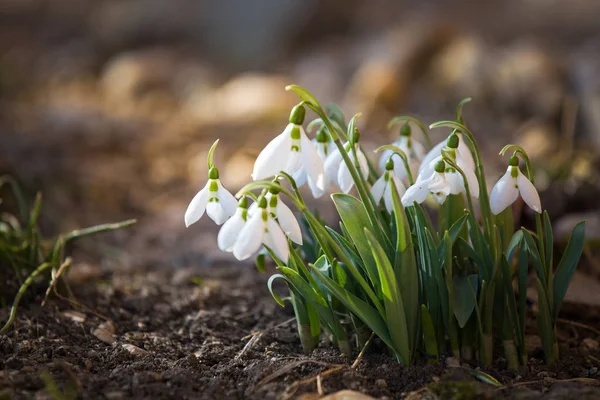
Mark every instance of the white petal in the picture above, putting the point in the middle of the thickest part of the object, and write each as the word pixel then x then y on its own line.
pixel 455 182
pixel 417 192
pixel 216 212
pixel 363 163
pixel 344 178
pixel 276 241
pixel 311 161
pixel 230 231
pixel 439 184
pixel 504 193
pixel 197 206
pixel 529 193
pixel 426 168
pixel 332 165
pixel 250 237
pixel 463 154
pixel 473 182
pixel 385 156
pixel 418 149
pixel 227 201
pixel 274 157
pixel 399 168
pixel 300 177
pixel 440 197
pixel 288 222
pixel 317 192
pixel 378 189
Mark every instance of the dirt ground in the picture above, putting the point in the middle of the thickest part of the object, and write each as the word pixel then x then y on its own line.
pixel 157 334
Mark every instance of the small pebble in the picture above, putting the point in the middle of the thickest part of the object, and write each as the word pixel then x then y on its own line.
pixel 74 316
pixel 104 336
pixel 591 343
pixel 136 351
pixel 381 384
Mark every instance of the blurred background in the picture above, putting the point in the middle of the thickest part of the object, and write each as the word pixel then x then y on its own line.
pixel 109 106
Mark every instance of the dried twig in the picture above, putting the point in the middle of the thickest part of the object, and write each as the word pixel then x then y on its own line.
pixel 578 325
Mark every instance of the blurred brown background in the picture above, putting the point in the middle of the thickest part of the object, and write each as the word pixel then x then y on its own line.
pixel 109 107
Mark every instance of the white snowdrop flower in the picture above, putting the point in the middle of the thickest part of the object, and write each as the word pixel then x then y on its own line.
pixel 437 184
pixel 282 213
pixel 261 228
pixel 218 203
pixel 337 171
pixel 382 188
pixel 232 227
pixel 464 158
pixel 453 177
pixel 508 188
pixel 414 150
pixel 324 146
pixel 290 151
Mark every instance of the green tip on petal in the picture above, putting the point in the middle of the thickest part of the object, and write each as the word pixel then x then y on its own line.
pixel 513 161
pixel 406 130
pixel 452 141
pixel 440 167
pixel 213 173
pixel 297 115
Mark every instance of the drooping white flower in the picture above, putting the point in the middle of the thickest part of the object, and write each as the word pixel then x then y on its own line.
pixel 437 184
pixel 290 151
pixel 464 158
pixel 280 211
pixel 455 179
pixel 218 203
pixel 415 152
pixel 260 229
pixel 508 188
pixel 324 146
pixel 382 188
pixel 337 171
pixel 229 232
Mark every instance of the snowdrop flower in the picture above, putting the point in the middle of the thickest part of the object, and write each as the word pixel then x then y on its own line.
pixel 290 151
pixel 415 152
pixel 260 229
pixel 324 146
pixel 454 178
pixel 464 158
pixel 231 228
pixel 437 184
pixel 508 188
pixel 337 171
pixel 218 203
pixel 280 211
pixel 383 187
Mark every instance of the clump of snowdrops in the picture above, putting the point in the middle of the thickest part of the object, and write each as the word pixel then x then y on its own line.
pixel 423 288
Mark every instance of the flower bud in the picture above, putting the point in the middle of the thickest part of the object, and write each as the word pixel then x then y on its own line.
pixel 297 114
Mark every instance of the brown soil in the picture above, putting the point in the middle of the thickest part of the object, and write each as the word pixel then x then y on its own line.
pixel 192 341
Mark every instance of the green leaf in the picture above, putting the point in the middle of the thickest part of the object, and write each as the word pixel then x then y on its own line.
pixel 270 286
pixel 463 300
pixel 515 241
pixel 355 219
pixel 431 347
pixel 362 310
pixel 304 95
pixel 523 272
pixel 511 305
pixel 568 263
pixel 544 320
pixel 548 239
pixel 392 300
pixel 532 250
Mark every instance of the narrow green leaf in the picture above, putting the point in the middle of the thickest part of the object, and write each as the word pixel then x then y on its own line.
pixel 464 302
pixel 431 347
pixel 392 300
pixel 544 320
pixel 532 250
pixel 523 272
pixel 362 310
pixel 515 241
pixel 567 265
pixel 548 240
pixel 270 286
pixel 355 219
pixel 511 305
